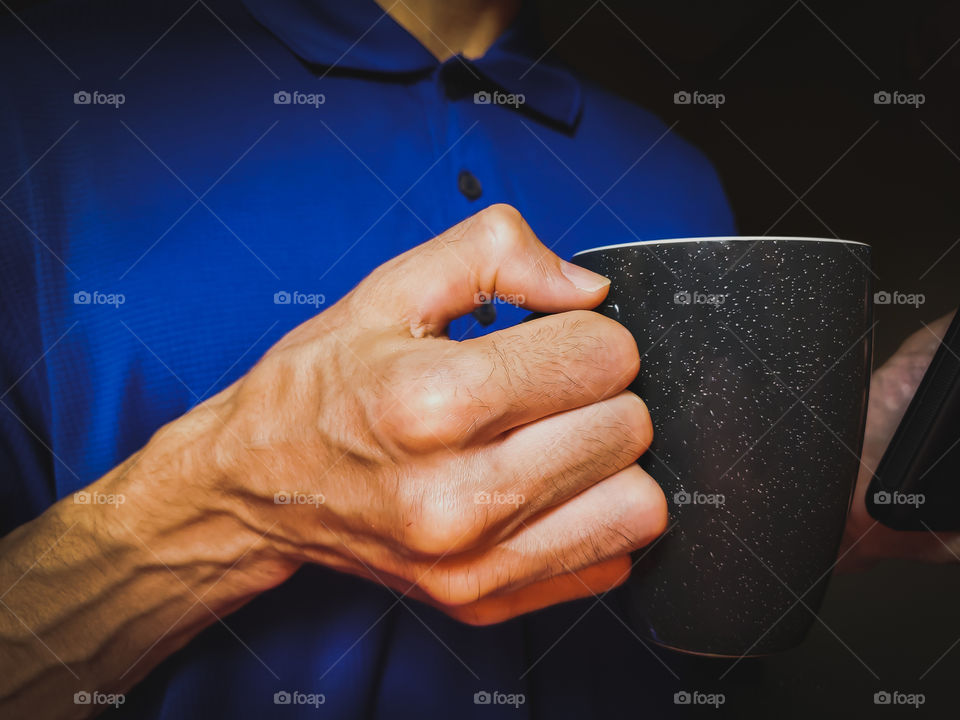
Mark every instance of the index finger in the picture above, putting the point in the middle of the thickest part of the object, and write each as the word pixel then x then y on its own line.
pixel 488 385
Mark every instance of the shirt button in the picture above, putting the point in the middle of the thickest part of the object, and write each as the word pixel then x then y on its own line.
pixel 469 185
pixel 485 314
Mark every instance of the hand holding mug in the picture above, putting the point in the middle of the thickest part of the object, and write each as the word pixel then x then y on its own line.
pixel 489 477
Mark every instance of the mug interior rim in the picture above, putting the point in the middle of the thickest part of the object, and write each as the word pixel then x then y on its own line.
pixel 720 238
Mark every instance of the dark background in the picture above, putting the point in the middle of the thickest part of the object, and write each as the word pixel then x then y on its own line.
pixel 799 80
pixel 799 120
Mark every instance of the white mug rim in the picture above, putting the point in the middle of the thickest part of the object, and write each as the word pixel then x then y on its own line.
pixel 720 238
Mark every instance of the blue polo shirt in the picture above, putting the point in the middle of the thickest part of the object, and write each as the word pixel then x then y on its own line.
pixel 181 184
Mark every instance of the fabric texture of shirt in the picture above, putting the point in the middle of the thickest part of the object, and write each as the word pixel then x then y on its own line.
pixel 273 150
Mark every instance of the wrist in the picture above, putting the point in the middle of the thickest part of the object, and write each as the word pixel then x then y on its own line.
pixel 164 508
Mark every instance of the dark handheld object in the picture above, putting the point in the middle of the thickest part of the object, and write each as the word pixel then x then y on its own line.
pixel 917 483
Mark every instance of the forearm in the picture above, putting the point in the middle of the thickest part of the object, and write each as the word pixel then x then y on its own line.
pixel 94 594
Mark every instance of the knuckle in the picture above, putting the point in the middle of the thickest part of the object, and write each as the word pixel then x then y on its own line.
pixel 644 514
pixel 438 527
pixel 502 213
pixel 621 353
pixel 635 420
pixel 453 589
pixel 501 227
pixel 571 342
pixel 599 342
pixel 423 416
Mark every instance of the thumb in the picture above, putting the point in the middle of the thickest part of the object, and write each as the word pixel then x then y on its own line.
pixel 493 254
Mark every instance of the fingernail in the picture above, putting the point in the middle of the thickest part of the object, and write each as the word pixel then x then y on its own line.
pixel 583 279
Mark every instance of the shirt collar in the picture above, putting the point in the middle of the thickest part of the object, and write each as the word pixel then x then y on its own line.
pixel 358 36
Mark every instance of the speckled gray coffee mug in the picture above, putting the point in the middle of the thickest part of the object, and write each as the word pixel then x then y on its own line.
pixel 755 365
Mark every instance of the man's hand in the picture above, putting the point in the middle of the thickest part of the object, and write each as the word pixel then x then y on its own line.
pixel 489 477
pixel 892 387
